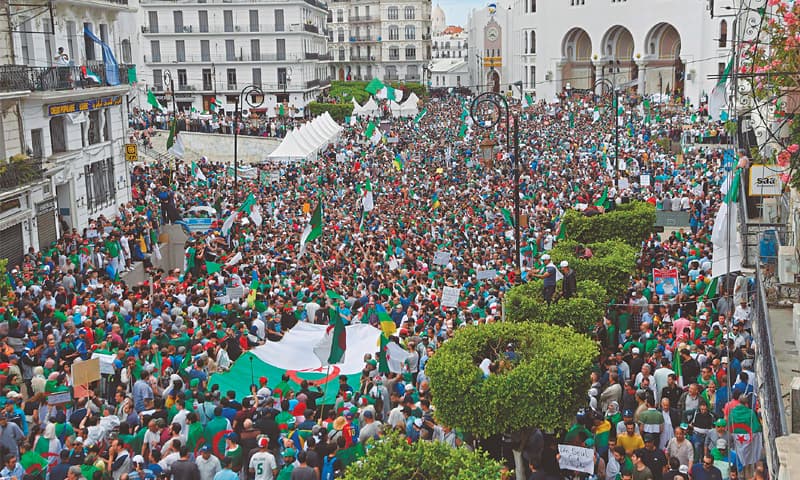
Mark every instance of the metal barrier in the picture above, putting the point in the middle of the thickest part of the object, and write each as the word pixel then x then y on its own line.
pixel 773 415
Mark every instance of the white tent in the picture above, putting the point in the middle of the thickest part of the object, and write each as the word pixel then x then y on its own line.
pixel 324 128
pixel 357 109
pixel 289 150
pixel 409 108
pixel 369 109
pixel 413 98
pixel 304 141
pixel 317 138
pixel 395 108
pixel 329 121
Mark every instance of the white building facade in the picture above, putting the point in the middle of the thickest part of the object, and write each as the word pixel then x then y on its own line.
pixel 450 51
pixel 212 49
pixel 656 46
pixel 64 119
pixel 387 39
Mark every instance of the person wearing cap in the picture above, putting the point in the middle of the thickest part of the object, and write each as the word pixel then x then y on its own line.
pixel 569 284
pixel 653 457
pixel 234 451
pixel 549 277
pixel 208 464
pixel 140 470
pixel 289 464
pixel 680 448
pixel 262 463
pixel 725 459
pixel 720 431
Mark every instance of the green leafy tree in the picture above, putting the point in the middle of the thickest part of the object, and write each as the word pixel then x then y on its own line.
pixel 338 111
pixel 392 458
pixel 611 264
pixel 525 303
pixel 543 387
pixel 4 286
pixel 632 223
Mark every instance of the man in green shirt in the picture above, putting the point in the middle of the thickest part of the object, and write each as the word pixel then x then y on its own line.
pixel 288 464
pixel 651 420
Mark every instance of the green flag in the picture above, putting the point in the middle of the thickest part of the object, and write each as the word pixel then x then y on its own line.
pixel 603 200
pixel 370 130
pixel 507 215
pixel 333 295
pixel 213 267
pixel 463 131
pixel 281 110
pixel 171 139
pixel 383 362
pixel 151 99
pixel 421 115
pixel 571 119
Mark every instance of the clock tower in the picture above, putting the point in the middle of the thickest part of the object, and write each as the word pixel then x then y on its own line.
pixel 492 54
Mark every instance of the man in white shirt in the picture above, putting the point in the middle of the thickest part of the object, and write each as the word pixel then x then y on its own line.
pixel 262 463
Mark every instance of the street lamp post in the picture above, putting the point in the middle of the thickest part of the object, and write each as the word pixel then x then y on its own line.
pixel 615 105
pixel 246 95
pixel 495 103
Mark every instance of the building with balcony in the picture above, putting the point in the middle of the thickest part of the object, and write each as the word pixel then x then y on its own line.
pixel 388 39
pixel 450 52
pixel 214 48
pixel 676 47
pixel 63 114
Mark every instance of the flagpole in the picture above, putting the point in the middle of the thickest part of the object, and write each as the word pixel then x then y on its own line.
pixel 325 394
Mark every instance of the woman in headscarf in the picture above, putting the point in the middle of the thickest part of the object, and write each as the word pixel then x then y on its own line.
pixel 613 415
pixel 38 381
pixel 47 445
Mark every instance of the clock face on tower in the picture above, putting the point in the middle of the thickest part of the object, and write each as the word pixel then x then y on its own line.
pixel 492 34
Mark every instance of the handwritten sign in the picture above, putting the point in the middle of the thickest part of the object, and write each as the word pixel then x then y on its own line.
pixel 106 362
pixel 486 274
pixel 578 459
pixel 441 258
pixel 644 180
pixel 450 297
pixel 59 398
pixel 235 293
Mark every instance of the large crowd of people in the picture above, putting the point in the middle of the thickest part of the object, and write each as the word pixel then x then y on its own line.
pixel 153 413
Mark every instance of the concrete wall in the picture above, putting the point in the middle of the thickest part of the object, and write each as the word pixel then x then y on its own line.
pixel 219 147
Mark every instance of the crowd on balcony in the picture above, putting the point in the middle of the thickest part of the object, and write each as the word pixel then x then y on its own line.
pixel 155 411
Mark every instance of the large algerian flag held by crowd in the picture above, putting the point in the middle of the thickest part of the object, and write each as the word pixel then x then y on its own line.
pixel 291 356
pixel 724 235
pixel 718 100
pixel 747 434
pixel 389 93
pixel 374 86
pixel 313 229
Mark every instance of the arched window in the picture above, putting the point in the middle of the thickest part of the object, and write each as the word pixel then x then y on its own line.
pixel 340 34
pixel 126 51
pixel 411 52
pixel 393 13
pixel 340 15
pixel 394 32
pixel 526 35
pixel 723 34
pixel 411 32
pixel 409 13
pixel 341 54
pixel 533 42
pixel 394 53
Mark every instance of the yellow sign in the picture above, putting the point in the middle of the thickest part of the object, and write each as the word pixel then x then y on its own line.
pixel 131 152
pixel 495 62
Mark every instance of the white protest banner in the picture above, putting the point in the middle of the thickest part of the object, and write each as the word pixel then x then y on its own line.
pixel 449 297
pixel 486 274
pixel 644 180
pixel 223 300
pixel 235 293
pixel 393 264
pixel 578 459
pixel 623 183
pixel 441 258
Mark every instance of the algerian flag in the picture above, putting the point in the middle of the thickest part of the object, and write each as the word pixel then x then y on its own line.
pixel 747 434
pixel 724 235
pixel 421 115
pixel 374 86
pixel 177 147
pixel 373 133
pixel 248 203
pixel 330 349
pixel 151 99
pixel 528 100
pixel 596 114
pixel 462 132
pixel 291 357
pixel 228 223
pixel 367 201
pixel 213 267
pixel 389 93
pixel 197 173
pixel 88 73
pixel 391 356
pixel 313 229
pixel 718 100
pixel 255 215
pixel 711 289
pixel 507 216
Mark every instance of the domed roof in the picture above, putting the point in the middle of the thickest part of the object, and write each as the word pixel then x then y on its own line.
pixel 438 20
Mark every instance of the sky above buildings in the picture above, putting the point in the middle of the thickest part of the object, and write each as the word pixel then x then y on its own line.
pixel 457 11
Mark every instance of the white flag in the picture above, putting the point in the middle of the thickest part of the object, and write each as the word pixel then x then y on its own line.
pixel 156 251
pixel 725 240
pixel 234 260
pixel 177 148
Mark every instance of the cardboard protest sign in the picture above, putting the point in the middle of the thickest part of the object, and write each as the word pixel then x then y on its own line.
pixel 486 274
pixel 86 372
pixel 441 258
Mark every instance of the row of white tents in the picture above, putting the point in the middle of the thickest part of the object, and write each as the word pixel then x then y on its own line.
pixel 371 109
pixel 305 142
